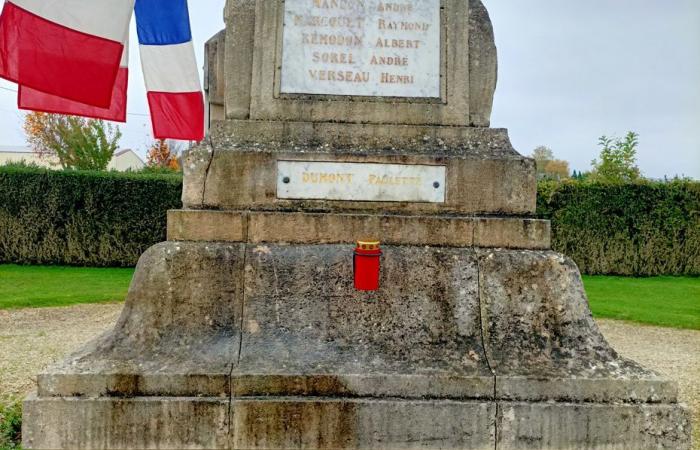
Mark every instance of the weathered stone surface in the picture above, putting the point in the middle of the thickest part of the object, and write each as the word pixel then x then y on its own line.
pixel 298 422
pixel 207 226
pixel 310 228
pixel 363 138
pixel 257 423
pixel 303 316
pixel 239 16
pixel 126 423
pixel 195 167
pixel 451 109
pixel 537 300
pixel 470 80
pixel 483 65
pixel 214 68
pixel 545 426
pixel 178 334
pixel 484 173
pixel 305 330
pixel 362 424
pixel 303 357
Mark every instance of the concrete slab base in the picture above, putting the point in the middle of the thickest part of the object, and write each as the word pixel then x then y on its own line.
pixel 333 423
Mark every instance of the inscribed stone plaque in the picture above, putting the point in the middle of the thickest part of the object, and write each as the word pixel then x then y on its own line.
pixel 361 47
pixel 360 181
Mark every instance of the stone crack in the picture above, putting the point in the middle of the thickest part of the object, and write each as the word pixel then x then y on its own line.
pixel 483 345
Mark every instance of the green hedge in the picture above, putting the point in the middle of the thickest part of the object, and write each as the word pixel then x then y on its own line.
pixel 641 229
pixel 10 423
pixel 82 218
pixel 109 219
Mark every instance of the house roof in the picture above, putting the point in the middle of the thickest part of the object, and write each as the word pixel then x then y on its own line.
pixel 15 149
pixel 125 151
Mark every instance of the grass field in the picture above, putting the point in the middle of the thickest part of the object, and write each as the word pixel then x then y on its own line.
pixel 39 286
pixel 664 301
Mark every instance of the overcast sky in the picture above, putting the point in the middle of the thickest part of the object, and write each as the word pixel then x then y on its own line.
pixel 570 71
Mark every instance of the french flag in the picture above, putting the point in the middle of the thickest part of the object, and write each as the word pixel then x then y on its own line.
pixel 170 69
pixel 66 48
pixel 35 100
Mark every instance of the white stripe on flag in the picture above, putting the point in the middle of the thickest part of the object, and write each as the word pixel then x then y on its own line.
pixel 170 68
pixel 124 63
pixel 108 19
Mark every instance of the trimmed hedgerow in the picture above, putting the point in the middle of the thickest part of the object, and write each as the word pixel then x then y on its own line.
pixel 109 219
pixel 641 229
pixel 82 218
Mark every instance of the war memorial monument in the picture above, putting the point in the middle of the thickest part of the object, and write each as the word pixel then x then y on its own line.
pixel 332 122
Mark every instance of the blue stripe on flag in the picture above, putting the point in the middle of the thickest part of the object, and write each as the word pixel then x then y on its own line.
pixel 162 22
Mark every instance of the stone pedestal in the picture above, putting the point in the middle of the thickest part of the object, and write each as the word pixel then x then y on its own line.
pixel 244 330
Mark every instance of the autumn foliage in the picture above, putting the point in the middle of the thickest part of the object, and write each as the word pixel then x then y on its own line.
pixel 162 155
pixel 76 142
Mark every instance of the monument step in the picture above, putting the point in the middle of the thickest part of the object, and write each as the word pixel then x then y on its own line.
pixel 214 318
pixel 245 381
pixel 318 228
pixel 334 136
pixel 481 174
pixel 315 423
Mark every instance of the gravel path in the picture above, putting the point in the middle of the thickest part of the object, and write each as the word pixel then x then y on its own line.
pixel 31 339
pixel 672 353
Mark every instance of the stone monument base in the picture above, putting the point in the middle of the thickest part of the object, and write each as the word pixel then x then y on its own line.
pixel 268 345
pixel 334 423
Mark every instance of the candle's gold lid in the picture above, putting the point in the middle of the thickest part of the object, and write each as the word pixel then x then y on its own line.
pixel 368 245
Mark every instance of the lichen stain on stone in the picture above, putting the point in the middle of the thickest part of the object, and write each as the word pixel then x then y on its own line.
pixel 262 250
pixel 310 424
pixel 253 327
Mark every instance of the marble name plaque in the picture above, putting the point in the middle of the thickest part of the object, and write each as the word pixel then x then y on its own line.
pixel 362 48
pixel 314 180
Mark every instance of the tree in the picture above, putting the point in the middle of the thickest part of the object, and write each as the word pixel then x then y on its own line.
pixel 543 154
pixel 557 169
pixel 76 142
pixel 618 160
pixel 549 168
pixel 163 155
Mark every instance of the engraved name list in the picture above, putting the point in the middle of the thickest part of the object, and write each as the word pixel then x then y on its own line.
pixel 361 47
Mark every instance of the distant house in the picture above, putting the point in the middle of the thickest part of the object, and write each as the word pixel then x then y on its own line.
pixel 16 154
pixel 122 161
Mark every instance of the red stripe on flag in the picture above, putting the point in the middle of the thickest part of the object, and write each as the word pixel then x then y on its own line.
pixel 51 58
pixel 177 115
pixel 34 100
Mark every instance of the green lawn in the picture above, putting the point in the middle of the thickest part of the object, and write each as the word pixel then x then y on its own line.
pixel 39 286
pixel 664 301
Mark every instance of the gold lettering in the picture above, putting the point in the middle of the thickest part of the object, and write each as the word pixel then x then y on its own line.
pixel 388 78
pixel 389 61
pixel 331 22
pixel 332 58
pixel 346 76
pixel 331 40
pixel 397 43
pixel 340 4
pixel 394 7
pixel 385 25
pixel 326 178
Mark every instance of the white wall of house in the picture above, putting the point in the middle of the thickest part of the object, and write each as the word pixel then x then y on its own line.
pixel 122 161
pixel 10 154
pixel 126 160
